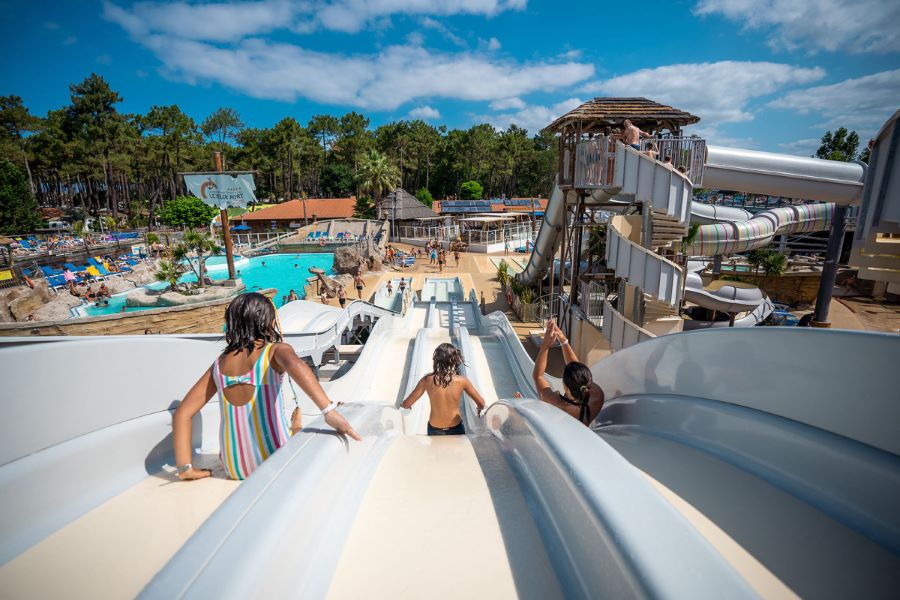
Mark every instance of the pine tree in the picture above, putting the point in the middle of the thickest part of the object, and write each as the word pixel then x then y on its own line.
pixel 18 209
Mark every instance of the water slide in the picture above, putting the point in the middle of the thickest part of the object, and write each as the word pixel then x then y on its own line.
pixel 516 509
pixel 722 229
pixel 725 168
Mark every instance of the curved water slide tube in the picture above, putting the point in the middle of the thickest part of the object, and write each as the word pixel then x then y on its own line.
pixel 741 236
pixel 707 214
pixel 751 171
pixel 550 234
pixel 733 425
pixel 723 295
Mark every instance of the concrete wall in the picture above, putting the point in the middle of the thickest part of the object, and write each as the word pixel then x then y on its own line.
pixel 207 317
pixel 588 342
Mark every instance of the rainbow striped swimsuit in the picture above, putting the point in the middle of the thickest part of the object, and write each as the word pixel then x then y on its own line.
pixel 251 433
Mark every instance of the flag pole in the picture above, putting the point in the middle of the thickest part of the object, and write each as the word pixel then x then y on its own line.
pixel 226 230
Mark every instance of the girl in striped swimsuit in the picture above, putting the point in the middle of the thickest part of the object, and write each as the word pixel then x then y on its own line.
pixel 253 425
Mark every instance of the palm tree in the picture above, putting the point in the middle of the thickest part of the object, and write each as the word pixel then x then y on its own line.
pixel 199 246
pixel 378 176
pixel 169 271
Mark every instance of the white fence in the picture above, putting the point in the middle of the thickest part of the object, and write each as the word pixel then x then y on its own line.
pixel 519 232
pixel 423 232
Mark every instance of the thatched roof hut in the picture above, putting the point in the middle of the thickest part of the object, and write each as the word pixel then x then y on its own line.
pixel 594 116
pixel 407 206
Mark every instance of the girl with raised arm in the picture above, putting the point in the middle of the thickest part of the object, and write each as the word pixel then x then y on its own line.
pixel 247 377
pixel 445 386
pixel 583 398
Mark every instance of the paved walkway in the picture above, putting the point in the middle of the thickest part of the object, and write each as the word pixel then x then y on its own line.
pixel 871 314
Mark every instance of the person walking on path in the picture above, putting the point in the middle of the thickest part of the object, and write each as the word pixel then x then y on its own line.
pixel 360 284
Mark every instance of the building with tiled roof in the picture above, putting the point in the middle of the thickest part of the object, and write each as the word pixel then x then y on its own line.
pixel 296 213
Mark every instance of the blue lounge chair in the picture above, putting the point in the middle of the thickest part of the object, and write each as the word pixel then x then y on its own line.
pixel 49 271
pixel 56 281
pixel 24 244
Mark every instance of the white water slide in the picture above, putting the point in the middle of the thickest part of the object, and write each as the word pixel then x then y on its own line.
pixel 530 504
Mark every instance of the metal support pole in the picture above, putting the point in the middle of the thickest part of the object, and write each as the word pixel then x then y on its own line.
pixel 646 227
pixel 226 230
pixel 829 270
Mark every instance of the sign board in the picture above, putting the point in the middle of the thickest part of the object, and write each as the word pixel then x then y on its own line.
pixel 222 190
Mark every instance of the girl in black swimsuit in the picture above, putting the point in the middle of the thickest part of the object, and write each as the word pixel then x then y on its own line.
pixel 583 398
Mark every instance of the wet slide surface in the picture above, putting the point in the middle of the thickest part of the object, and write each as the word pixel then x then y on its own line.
pixel 444 518
pixel 114 550
pixel 491 363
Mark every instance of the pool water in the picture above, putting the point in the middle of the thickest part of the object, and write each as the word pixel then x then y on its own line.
pixel 284 272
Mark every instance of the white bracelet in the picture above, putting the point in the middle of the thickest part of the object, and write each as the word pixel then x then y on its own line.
pixel 331 406
pixel 565 343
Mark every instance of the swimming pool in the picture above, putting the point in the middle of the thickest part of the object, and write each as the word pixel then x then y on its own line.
pixel 284 272
pixel 443 289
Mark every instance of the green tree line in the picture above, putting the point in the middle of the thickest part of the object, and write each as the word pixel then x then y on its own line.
pixel 89 156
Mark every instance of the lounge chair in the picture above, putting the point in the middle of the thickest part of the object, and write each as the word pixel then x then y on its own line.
pixel 49 271
pixel 100 267
pixel 57 281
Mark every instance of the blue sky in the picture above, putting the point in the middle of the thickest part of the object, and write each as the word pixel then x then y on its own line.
pixel 765 74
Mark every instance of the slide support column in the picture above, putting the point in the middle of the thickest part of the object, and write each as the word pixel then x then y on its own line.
pixel 829 269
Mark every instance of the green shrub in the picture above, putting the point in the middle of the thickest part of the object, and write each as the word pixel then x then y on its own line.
pixel 471 190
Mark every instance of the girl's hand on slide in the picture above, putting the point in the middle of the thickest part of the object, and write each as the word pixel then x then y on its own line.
pixel 341 425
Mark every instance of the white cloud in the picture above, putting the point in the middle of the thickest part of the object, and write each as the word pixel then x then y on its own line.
pixel 717 92
pixel 69 40
pixel 229 21
pixel 52 25
pixel 531 117
pixel 429 23
pixel 220 21
pixel 863 103
pixel 831 25
pixel 382 81
pixel 493 44
pixel 425 113
pixel 507 103
pixel 804 147
pixel 104 59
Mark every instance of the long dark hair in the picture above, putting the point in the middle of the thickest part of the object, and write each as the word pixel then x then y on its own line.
pixel 248 319
pixel 447 360
pixel 578 379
